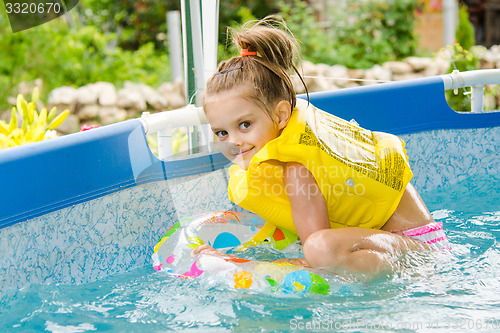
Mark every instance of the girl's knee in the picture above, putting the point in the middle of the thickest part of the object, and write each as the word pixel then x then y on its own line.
pixel 321 249
pixel 354 248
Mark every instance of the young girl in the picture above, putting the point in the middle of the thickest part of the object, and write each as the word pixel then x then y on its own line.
pixel 342 189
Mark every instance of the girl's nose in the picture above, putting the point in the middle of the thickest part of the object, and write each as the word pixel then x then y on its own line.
pixel 236 139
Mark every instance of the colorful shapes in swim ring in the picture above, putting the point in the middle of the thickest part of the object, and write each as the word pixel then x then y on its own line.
pixel 319 285
pixel 231 229
pixel 298 287
pixel 301 282
pixel 172 229
pixel 237 260
pixel 195 241
pixel 225 239
pixel 242 279
pixel 167 235
pixel 282 238
pixel 193 272
pixel 272 282
pixel 278 234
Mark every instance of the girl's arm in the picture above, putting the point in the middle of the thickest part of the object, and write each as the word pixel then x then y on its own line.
pixel 207 249
pixel 309 211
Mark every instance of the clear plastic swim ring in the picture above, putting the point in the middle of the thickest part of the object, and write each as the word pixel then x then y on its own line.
pixel 228 229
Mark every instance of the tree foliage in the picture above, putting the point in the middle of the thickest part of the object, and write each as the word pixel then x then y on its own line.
pixel 358 34
pixel 61 55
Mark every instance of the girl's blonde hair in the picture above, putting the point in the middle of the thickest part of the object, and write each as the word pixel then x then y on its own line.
pixel 266 75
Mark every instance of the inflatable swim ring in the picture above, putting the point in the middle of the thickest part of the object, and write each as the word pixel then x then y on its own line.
pixel 229 229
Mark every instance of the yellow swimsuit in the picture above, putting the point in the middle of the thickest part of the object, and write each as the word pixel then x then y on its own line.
pixel 361 174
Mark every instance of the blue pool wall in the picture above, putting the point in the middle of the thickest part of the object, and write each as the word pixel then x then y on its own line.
pixel 90 204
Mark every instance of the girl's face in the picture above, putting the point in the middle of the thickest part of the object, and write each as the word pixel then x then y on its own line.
pixel 241 126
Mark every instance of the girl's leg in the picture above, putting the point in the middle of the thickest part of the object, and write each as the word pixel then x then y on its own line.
pixel 369 250
pixel 410 213
pixel 357 249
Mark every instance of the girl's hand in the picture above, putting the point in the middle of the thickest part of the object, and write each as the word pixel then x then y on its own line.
pixel 207 249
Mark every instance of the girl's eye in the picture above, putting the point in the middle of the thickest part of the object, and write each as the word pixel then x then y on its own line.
pixel 245 125
pixel 221 134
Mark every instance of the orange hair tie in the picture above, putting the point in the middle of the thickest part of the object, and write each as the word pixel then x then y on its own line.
pixel 245 52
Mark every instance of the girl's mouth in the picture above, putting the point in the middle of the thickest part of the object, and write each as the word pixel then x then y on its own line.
pixel 243 153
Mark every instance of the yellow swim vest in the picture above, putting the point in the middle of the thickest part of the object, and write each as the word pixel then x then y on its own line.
pixel 361 174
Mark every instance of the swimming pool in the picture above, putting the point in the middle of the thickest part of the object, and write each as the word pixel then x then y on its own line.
pixel 76 243
pixel 448 292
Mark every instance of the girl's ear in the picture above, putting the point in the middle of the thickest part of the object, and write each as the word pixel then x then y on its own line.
pixel 284 110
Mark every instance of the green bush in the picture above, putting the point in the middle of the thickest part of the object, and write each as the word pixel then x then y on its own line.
pixel 361 33
pixel 226 48
pixel 465 30
pixel 462 60
pixel 315 41
pixel 62 56
pixel 135 22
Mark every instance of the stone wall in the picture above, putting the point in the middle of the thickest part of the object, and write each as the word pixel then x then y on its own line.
pixel 101 103
pixel 321 77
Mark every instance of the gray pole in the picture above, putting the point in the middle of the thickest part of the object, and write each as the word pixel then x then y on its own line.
pixel 450 19
pixel 175 44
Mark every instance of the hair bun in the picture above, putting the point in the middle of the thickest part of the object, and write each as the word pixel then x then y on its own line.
pixel 271 39
pixel 268 52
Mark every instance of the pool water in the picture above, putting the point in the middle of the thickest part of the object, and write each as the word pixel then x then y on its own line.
pixel 441 292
